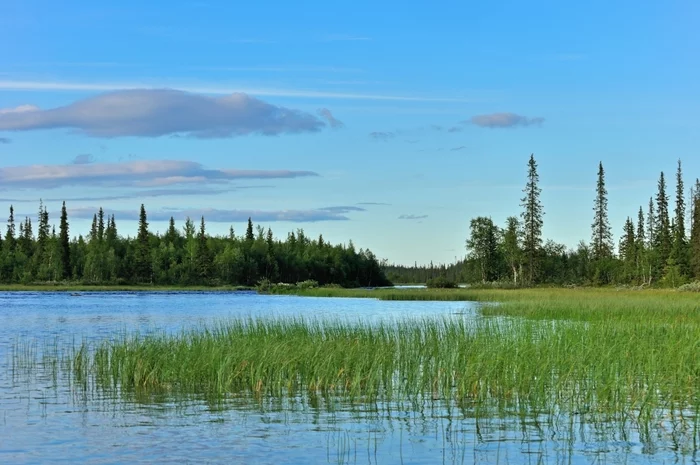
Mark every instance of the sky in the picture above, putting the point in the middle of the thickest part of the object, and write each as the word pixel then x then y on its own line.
pixel 390 124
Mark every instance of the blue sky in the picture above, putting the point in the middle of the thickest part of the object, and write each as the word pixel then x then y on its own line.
pixel 391 123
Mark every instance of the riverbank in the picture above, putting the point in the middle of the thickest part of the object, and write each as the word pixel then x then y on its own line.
pixel 115 288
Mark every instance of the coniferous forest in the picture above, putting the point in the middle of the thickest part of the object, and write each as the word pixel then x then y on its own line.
pixel 659 244
pixel 32 253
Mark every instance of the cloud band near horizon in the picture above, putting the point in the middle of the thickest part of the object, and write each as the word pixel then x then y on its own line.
pixel 160 112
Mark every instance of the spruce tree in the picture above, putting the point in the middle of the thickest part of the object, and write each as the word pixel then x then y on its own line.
pixel 651 224
pixel 602 236
pixel 64 244
pixel 100 225
pixel 203 260
pixel 532 221
pixel 142 260
pixel 662 229
pixel 695 232
pixel 640 248
pixel 249 236
pixel 679 251
pixel 628 246
pixel 10 237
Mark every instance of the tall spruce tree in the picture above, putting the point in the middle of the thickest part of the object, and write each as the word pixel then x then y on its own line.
pixel 532 221
pixel 640 248
pixel 64 239
pixel 695 232
pixel 602 235
pixel 679 251
pixel 249 235
pixel 662 229
pixel 203 260
pixel 628 250
pixel 142 259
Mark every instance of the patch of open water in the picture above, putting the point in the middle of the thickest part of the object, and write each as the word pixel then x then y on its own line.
pixel 46 419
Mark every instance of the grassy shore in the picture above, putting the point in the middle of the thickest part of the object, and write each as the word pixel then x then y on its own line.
pixel 112 288
pixel 622 355
pixel 603 351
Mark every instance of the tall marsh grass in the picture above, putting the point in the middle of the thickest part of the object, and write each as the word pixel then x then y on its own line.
pixel 622 354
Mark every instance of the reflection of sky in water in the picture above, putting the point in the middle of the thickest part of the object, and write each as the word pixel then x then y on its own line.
pixel 44 420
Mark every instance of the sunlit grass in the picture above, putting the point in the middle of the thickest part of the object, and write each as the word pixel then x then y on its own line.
pixel 622 354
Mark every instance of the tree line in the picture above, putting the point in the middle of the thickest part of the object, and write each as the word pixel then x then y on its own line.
pixel 657 246
pixel 184 257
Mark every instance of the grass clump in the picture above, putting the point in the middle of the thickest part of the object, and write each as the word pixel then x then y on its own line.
pixel 603 367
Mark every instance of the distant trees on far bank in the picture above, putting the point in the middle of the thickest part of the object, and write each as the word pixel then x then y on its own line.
pixel 184 257
pixel 653 248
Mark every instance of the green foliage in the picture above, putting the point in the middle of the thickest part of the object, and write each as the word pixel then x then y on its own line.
pixel 532 216
pixel 440 283
pixel 634 358
pixel 191 258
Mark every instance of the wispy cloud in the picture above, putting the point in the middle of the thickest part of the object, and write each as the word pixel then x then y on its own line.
pixel 151 173
pixel 5 140
pixel 505 120
pixel 138 195
pixel 342 209
pixel 413 217
pixel 456 149
pixel 220 216
pixel 381 136
pixel 326 114
pixel 372 203
pixel 153 113
pixel 83 159
pixel 216 89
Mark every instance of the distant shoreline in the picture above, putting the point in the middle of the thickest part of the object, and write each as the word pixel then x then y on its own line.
pixel 115 288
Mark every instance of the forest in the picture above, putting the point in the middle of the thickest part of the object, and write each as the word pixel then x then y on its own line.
pixel 656 247
pixel 175 258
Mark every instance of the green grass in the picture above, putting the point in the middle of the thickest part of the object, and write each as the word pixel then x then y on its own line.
pixel 48 287
pixel 620 354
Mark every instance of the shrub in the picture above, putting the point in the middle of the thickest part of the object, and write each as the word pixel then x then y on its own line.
pixel 690 287
pixel 440 283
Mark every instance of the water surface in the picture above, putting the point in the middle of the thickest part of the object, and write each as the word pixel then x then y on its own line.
pixel 46 418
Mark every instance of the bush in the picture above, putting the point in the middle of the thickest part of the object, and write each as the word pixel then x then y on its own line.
pixel 308 284
pixel 690 287
pixel 440 283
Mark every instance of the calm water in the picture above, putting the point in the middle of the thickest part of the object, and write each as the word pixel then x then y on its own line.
pixel 44 420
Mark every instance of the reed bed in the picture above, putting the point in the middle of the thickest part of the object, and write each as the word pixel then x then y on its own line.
pixel 486 365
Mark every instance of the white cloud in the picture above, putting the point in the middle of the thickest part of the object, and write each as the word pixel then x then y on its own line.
pixel 146 173
pixel 158 112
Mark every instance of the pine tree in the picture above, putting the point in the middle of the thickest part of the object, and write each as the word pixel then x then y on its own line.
pixel 640 248
pixel 249 236
pixel 662 229
pixel 532 221
pixel 628 246
pixel 142 260
pixel 679 251
pixel 111 233
pixel 172 234
pixel 203 259
pixel 100 225
pixel 651 224
pixel 602 236
pixel 695 231
pixel 10 235
pixel 65 244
